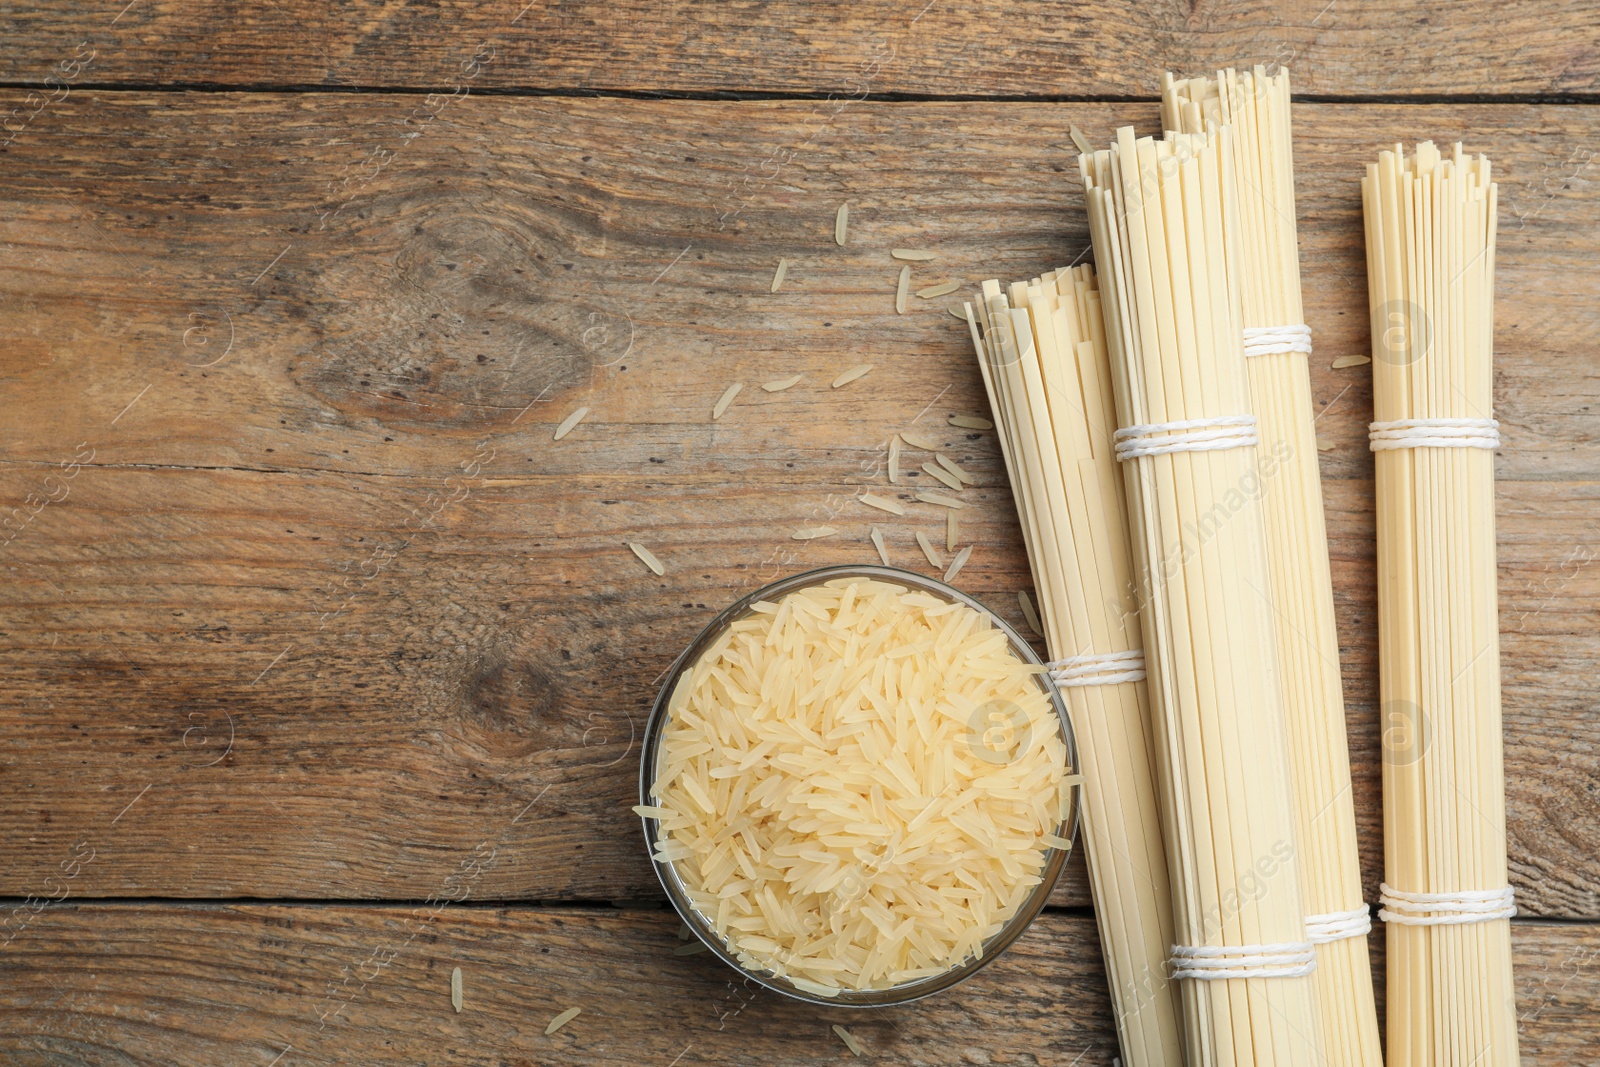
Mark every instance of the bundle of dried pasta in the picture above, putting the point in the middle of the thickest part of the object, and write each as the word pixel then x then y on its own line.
pixel 1430 269
pixel 1277 346
pixel 1043 355
pixel 1159 216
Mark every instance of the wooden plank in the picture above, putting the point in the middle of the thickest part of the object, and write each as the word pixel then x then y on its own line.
pixel 1098 48
pixel 309 984
pixel 315 614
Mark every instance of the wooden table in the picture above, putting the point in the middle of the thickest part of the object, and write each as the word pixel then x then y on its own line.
pixel 324 665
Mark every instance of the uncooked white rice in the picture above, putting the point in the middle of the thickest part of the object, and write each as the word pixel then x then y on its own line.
pixel 1350 361
pixel 1031 616
pixel 960 313
pixel 902 290
pixel 561 1020
pixel 647 556
pixel 940 499
pixel 971 422
pixel 957 563
pixel 934 559
pixel 877 542
pixel 950 531
pixel 927 444
pixel 779 274
pixel 569 422
pixel 942 289
pixel 950 465
pixel 883 503
pixel 894 459
pixel 860 370
pixel 940 474
pixel 808 533
pixel 727 398
pixel 455 989
pixel 841 224
pixel 848 1038
pixel 913 255
pixel 782 383
pixel 864 781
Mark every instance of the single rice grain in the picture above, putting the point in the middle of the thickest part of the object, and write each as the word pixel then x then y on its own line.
pixel 971 422
pixel 779 274
pixel 894 459
pixel 942 289
pixel 911 255
pixel 934 559
pixel 950 531
pixel 1350 361
pixel 841 224
pixel 940 474
pixel 561 1020
pixel 957 563
pixel 848 1038
pixel 883 503
pixel 725 399
pixel 647 556
pixel 455 989
pixel 1324 444
pixel 950 465
pixel 902 289
pixel 958 312
pixel 569 422
pixel 941 500
pixel 811 533
pixel 927 444
pixel 877 542
pixel 782 383
pixel 860 370
pixel 1031 616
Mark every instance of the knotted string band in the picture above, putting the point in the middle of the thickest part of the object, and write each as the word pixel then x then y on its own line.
pixel 1106 669
pixel 1271 340
pixel 1434 433
pixel 1189 435
pixel 1446 909
pixel 1338 925
pixel 1289 959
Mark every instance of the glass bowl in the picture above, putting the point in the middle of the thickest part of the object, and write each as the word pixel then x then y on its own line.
pixel 1055 858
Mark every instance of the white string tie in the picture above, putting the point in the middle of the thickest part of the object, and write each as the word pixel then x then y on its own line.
pixel 1434 433
pixel 1338 925
pixel 1446 909
pixel 1288 959
pixel 1189 435
pixel 1272 340
pixel 1108 668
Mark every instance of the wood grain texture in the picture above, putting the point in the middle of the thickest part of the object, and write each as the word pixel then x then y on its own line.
pixel 136 985
pixel 301 599
pixel 1088 49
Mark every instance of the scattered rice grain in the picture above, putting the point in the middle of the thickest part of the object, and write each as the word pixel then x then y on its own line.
pixel 957 563
pixel 894 459
pixel 934 559
pixel 971 422
pixel 950 531
pixel 1350 361
pixel 563 1019
pixel 860 370
pixel 778 275
pixel 781 384
pixel 942 501
pixel 684 933
pixel 942 289
pixel 1324 444
pixel 927 444
pixel 647 556
pixel 841 224
pixel 848 1038
pixel 911 255
pixel 950 465
pixel 694 948
pixel 901 290
pixel 727 398
pixel 455 989
pixel 810 533
pixel 1028 614
pixel 958 312
pixel 569 422
pixel 877 542
pixel 940 474
pixel 883 503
